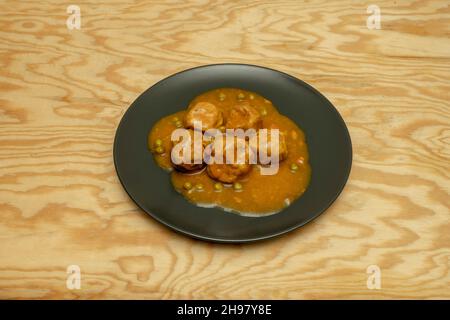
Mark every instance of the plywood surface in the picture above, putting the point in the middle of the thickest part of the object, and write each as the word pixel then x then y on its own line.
pixel 62 95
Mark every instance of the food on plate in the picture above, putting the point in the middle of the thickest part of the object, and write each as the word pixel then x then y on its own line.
pixel 243 127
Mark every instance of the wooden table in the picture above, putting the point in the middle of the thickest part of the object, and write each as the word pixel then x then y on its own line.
pixel 63 93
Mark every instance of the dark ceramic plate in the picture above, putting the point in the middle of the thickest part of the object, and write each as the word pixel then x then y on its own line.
pixel 150 187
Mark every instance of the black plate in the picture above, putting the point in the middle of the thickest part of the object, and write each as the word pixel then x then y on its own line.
pixel 150 187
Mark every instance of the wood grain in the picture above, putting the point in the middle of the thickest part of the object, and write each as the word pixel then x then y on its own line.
pixel 63 93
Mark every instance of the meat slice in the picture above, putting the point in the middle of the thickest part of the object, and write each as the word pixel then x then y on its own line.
pixel 177 158
pixel 243 116
pixel 230 172
pixel 266 145
pixel 227 173
pixel 205 112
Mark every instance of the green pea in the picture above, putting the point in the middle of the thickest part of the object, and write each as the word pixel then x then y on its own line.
pixel 187 185
pixel 199 187
pixel 222 96
pixel 218 186
pixel 241 96
pixel 237 186
pixel 294 167
pixel 178 124
pixel 158 142
pixel 159 150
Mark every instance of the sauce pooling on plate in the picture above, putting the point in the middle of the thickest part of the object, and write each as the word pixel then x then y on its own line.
pixel 240 188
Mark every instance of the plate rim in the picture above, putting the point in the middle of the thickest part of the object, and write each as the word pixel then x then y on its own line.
pixel 179 230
